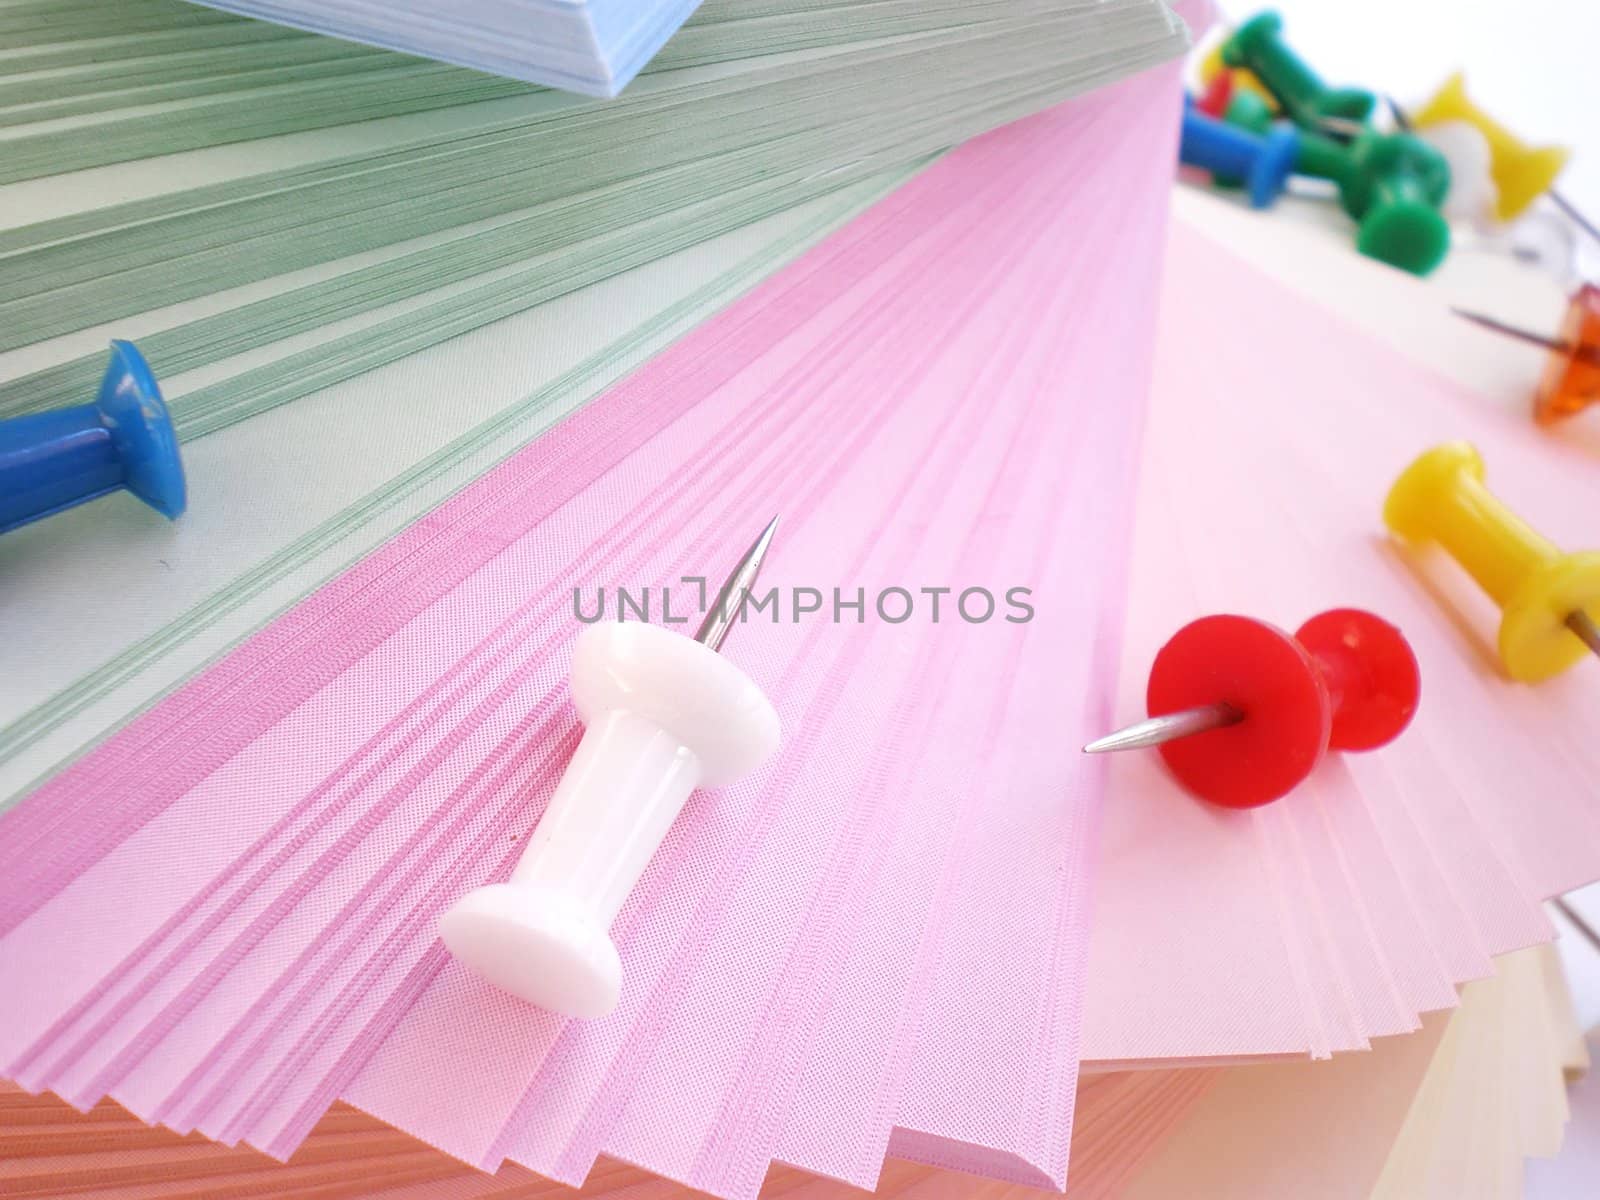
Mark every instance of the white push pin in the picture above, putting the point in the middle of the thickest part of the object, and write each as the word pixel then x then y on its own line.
pixel 664 715
pixel 1473 195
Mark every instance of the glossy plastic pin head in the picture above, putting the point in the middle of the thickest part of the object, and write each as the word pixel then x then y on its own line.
pixel 1441 499
pixel 1259 46
pixel 1522 173
pixel 1347 680
pixel 1393 185
pixel 1571 381
pixel 56 460
pixel 1262 164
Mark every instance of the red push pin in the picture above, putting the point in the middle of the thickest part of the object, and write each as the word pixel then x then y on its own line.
pixel 1243 712
pixel 1214 100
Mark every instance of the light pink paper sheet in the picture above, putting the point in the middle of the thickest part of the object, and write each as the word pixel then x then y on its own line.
pixel 1345 911
pixel 876 942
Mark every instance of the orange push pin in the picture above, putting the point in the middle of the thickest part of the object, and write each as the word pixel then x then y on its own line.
pixel 1571 380
pixel 1521 172
pixel 1548 600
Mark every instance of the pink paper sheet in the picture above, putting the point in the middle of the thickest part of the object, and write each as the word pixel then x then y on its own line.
pixel 1359 902
pixel 46 1148
pixel 877 941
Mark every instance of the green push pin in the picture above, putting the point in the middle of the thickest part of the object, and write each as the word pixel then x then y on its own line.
pixel 1392 184
pixel 1258 44
pixel 1248 111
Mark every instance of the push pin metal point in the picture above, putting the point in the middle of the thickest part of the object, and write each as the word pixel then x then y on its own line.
pixel 1242 712
pixel 1570 349
pixel 664 715
pixel 1515 331
pixel 1588 931
pixel 719 618
pixel 1401 121
pixel 1574 214
pixel 1548 600
pixel 1571 380
pixel 1158 731
pixel 52 461
pixel 1341 128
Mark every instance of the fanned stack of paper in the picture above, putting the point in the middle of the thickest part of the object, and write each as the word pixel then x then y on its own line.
pixel 1363 900
pixel 418 295
pixel 1574 1170
pixel 46 1148
pixel 880 945
pixel 589 46
pixel 750 87
pixel 824 965
pixel 1450 1111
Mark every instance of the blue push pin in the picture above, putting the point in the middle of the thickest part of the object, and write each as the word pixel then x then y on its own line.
pixel 1263 162
pixel 55 460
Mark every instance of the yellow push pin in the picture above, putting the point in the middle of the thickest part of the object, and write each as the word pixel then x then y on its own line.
pixel 1521 172
pixel 1548 600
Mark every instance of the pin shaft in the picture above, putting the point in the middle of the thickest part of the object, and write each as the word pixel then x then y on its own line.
pixel 1513 331
pixel 1341 126
pixel 1582 926
pixel 719 618
pixel 1574 215
pixel 1587 354
pixel 1401 121
pixel 1166 728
